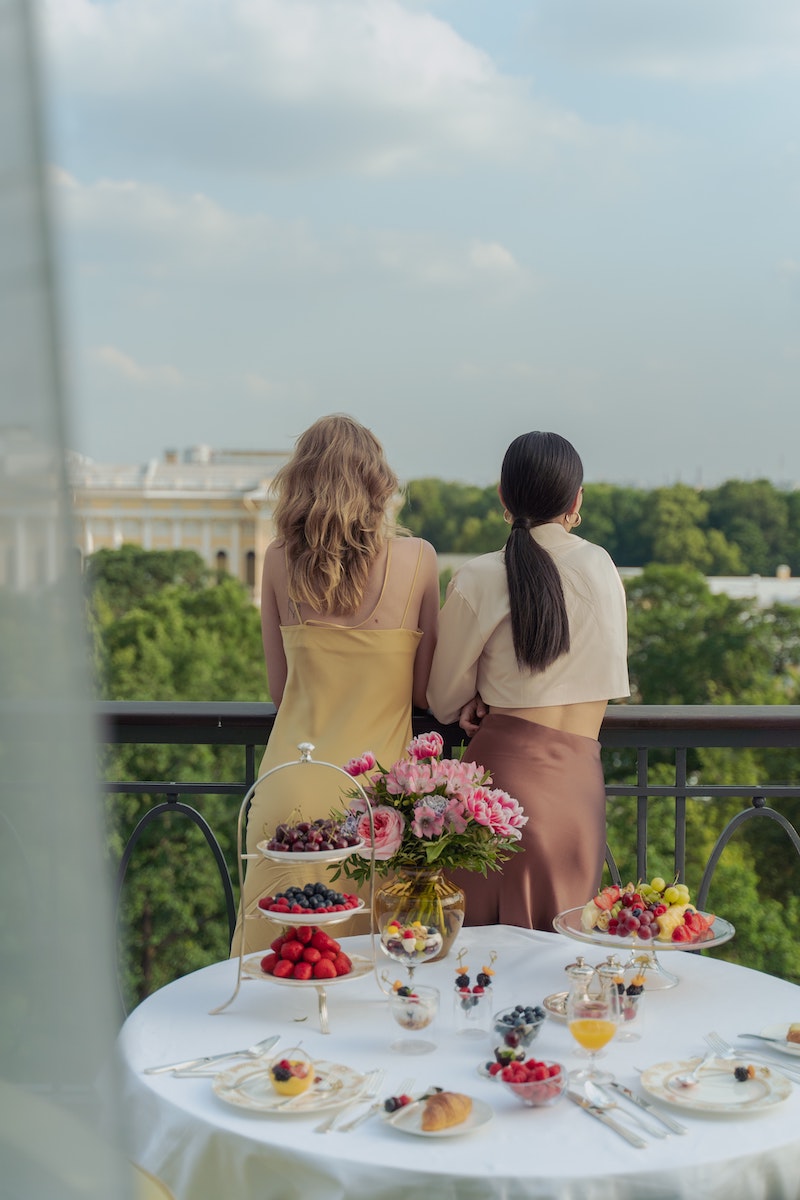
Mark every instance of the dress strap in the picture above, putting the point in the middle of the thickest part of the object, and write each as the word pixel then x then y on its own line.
pixel 413 585
pixel 370 615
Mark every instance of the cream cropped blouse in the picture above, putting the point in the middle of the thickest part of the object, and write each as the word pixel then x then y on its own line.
pixel 475 648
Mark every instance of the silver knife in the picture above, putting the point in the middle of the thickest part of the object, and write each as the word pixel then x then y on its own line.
pixel 593 1111
pixel 208 1058
pixel 649 1107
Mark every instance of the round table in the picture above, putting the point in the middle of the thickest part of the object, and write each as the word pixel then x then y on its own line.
pixel 202 1147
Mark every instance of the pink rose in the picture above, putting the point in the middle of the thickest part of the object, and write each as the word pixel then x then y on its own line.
pixel 389 828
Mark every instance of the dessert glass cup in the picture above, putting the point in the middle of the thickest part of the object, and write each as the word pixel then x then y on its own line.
pixel 511 1042
pixel 472 1012
pixel 413 1014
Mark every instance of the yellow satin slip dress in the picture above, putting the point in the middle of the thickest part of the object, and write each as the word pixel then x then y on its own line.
pixel 348 689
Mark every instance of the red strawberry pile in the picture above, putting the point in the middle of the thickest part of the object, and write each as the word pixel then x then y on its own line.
pixel 306 953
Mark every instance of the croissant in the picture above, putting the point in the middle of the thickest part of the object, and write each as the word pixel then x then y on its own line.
pixel 445 1109
pixel 793 1033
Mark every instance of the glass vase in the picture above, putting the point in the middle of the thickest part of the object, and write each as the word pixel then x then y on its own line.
pixel 423 898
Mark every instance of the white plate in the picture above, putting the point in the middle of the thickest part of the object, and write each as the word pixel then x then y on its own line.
pixel 248 1086
pixel 408 1120
pixel 251 968
pixel 321 856
pixel 310 917
pixel 717 1091
pixel 779 1031
pixel 569 922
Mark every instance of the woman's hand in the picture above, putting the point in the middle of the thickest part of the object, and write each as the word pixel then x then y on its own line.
pixel 472 714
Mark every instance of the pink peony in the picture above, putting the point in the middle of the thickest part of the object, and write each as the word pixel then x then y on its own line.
pixel 389 827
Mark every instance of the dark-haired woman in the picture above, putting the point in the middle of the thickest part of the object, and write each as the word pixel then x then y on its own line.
pixel 532 645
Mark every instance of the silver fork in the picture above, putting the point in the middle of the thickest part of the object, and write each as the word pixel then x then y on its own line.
pixel 404 1087
pixel 372 1081
pixel 726 1050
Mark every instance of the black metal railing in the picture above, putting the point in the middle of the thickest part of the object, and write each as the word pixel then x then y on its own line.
pixel 646 732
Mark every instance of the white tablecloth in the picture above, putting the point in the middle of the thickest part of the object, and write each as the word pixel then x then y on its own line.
pixel 205 1148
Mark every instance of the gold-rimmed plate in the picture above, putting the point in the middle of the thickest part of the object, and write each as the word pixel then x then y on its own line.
pixel 248 1086
pixel 310 916
pixel 251 969
pixel 318 856
pixel 717 1089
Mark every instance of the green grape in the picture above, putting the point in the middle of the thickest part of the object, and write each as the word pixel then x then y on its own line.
pixel 658 884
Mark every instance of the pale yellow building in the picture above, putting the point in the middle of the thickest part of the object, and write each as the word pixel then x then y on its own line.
pixel 215 502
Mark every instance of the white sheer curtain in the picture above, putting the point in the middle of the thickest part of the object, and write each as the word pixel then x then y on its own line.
pixel 58 1010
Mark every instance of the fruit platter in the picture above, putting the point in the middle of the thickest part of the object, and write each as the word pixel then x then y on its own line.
pixel 313 902
pixel 309 841
pixel 645 918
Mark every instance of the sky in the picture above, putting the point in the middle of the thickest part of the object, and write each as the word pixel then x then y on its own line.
pixel 457 220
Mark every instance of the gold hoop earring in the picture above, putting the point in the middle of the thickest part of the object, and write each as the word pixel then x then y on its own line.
pixel 575 519
pixel 507 517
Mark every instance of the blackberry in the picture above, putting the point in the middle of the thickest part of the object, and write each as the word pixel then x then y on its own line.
pixel 462 981
pixel 282 1074
pixel 741 1074
pixel 484 980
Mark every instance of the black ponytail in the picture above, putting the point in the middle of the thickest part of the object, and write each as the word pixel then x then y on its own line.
pixel 540 478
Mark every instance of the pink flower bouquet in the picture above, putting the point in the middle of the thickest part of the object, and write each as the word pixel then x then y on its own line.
pixel 430 813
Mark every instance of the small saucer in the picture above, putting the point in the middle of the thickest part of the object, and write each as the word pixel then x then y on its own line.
pixel 556 1005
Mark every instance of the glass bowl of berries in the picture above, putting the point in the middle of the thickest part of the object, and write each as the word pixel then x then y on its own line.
pixel 537 1084
pixel 514 1030
pixel 292 1073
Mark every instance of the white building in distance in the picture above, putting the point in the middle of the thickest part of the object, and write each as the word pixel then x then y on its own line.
pixel 215 502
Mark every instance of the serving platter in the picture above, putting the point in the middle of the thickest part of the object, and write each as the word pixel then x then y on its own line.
pixel 569 922
pixel 318 856
pixel 251 969
pixel 310 916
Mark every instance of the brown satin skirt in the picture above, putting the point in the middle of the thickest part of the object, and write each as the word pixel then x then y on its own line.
pixel 558 779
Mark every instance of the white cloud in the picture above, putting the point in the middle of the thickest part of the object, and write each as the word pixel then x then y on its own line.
pixel 289 87
pixel 122 364
pixel 694 41
pixel 161 234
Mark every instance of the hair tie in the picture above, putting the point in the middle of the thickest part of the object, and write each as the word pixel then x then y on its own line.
pixel 522 523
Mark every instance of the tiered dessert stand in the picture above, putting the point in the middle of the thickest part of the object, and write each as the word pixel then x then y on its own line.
pixel 643 954
pixel 361 966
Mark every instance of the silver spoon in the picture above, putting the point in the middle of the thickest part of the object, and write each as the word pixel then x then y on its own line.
pixel 691 1078
pixel 255 1051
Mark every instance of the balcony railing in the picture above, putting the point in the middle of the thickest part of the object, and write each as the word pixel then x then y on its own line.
pixel 641 734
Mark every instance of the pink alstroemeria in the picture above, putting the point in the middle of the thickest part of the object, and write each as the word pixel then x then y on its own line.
pixel 410 779
pixel 427 745
pixel 360 766
pixel 456 817
pixel 427 822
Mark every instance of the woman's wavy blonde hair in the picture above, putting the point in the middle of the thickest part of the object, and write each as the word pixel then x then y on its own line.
pixel 332 512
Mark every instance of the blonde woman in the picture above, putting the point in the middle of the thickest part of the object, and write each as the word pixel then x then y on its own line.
pixel 349 615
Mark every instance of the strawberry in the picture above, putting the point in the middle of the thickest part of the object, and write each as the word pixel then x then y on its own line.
pixel 268 963
pixel 342 964
pixel 311 955
pixel 304 934
pixel 292 950
pixel 283 968
pixel 322 941
pixel 279 940
pixel 324 969
pixel 302 970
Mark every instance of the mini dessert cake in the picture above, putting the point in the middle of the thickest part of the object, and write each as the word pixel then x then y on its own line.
pixel 444 1110
pixel 291 1076
pixel 793 1034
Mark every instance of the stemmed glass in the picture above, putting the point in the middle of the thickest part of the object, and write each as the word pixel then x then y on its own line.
pixel 593 1016
pixel 409 943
